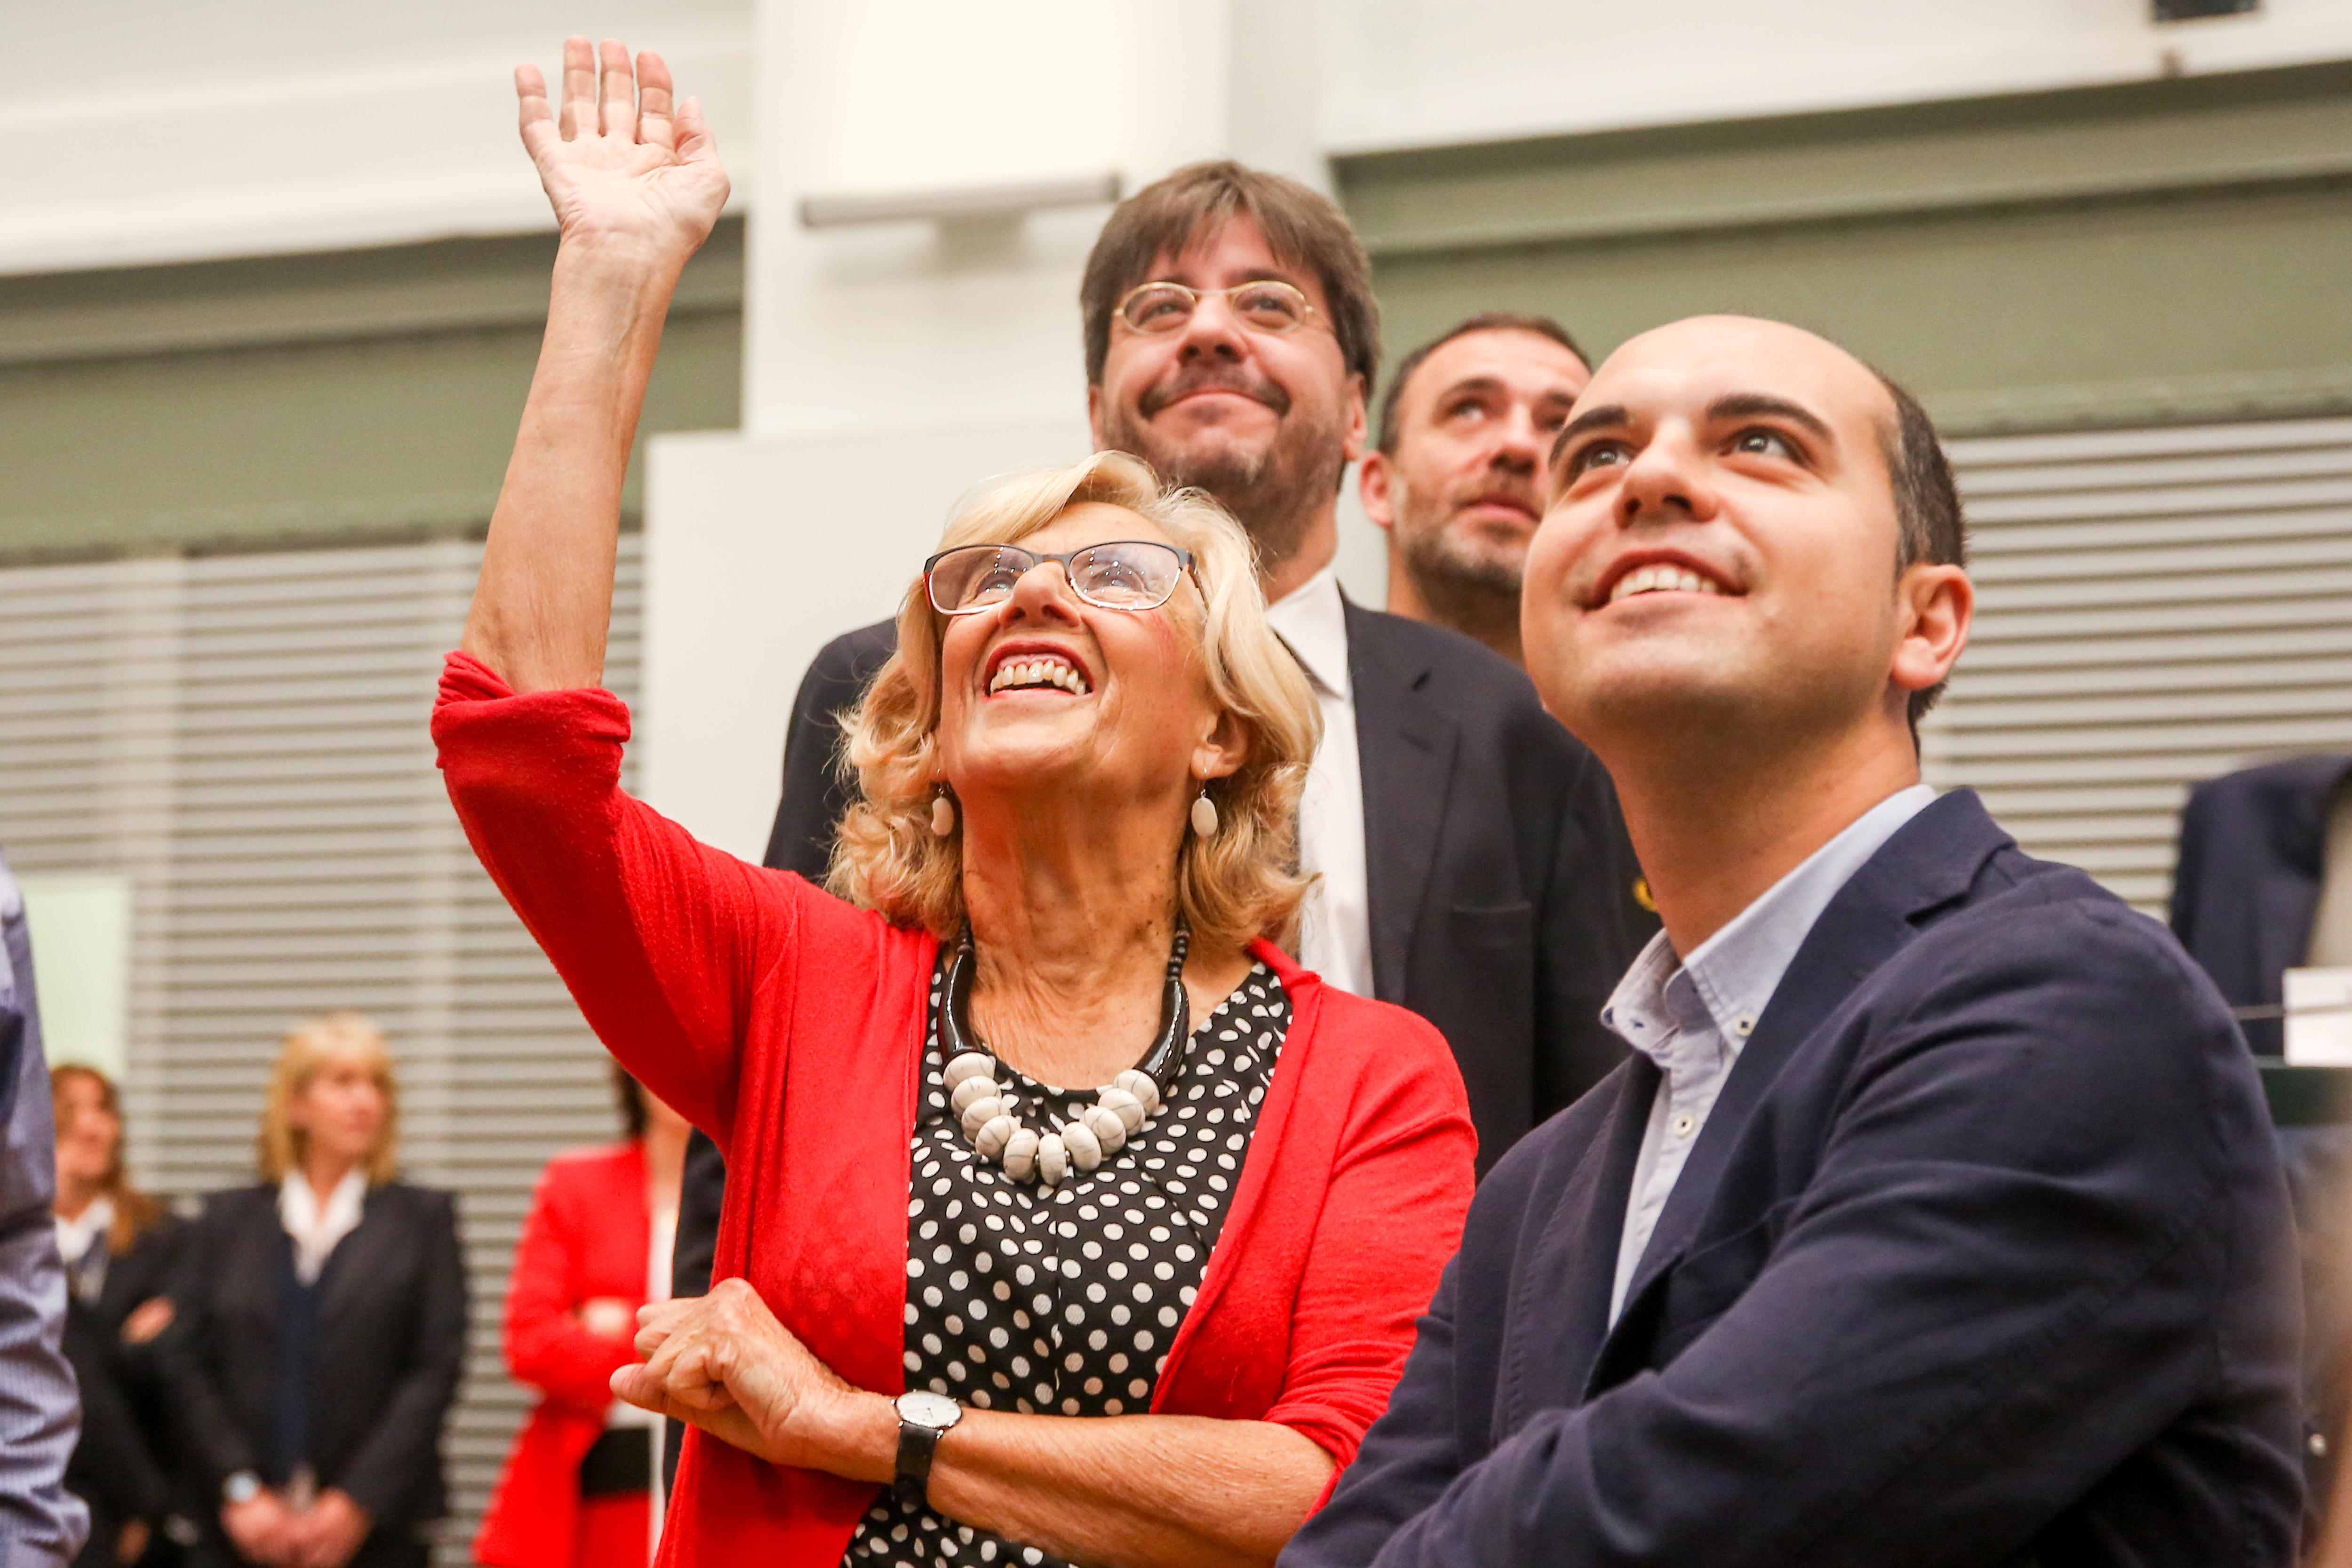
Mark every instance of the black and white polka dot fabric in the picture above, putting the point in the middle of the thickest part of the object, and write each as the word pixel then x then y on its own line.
pixel 1064 1300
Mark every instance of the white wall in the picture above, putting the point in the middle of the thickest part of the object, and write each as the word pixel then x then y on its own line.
pixel 140 131
pixel 1406 73
pixel 890 368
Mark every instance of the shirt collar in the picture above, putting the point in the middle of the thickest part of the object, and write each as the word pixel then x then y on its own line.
pixel 317 1231
pixel 1731 975
pixel 75 1236
pixel 1312 622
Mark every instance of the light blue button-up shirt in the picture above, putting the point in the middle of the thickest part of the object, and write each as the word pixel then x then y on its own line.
pixel 1692 1017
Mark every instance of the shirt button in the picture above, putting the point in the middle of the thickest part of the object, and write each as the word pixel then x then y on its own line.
pixel 1685 1124
pixel 1743 1026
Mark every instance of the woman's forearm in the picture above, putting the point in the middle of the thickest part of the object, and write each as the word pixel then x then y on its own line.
pixel 543 605
pixel 1141 1492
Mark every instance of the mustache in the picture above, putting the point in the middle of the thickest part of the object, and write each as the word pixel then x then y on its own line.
pixel 1213 378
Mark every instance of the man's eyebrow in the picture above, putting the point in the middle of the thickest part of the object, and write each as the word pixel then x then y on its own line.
pixel 1763 405
pixel 1478 382
pixel 1590 419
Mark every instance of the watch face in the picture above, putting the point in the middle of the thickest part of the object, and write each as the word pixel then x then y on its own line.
pixel 928 1409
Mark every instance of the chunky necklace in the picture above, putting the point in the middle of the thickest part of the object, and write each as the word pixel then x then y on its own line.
pixel 991 1114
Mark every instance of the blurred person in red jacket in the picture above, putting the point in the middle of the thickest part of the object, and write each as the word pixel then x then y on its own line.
pixel 581 1489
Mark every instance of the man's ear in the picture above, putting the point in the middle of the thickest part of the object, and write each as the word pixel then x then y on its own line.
pixel 1933 605
pixel 1375 483
pixel 1359 424
pixel 1095 414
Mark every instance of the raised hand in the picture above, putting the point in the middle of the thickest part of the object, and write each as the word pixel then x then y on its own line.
pixel 634 168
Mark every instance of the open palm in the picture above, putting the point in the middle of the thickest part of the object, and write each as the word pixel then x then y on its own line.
pixel 635 167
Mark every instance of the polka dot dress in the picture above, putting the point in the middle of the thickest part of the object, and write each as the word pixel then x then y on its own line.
pixel 1064 1300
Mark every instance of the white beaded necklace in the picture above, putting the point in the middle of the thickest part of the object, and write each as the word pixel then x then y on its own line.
pixel 989 1111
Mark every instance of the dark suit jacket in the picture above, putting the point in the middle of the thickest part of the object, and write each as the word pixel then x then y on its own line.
pixel 1500 881
pixel 123 1460
pixel 2252 850
pixel 392 1345
pixel 1981 1257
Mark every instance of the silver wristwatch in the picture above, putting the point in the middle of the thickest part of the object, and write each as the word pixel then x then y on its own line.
pixel 924 1418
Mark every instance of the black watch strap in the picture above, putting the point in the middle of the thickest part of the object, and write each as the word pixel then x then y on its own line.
pixel 917 1445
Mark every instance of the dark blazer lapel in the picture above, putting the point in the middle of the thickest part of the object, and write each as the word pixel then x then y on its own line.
pixel 1404 749
pixel 1932 859
pixel 352 1263
pixel 1573 1269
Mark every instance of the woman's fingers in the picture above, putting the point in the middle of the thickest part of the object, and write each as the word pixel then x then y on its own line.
pixel 579 115
pixel 695 142
pixel 538 118
pixel 620 113
pixel 654 126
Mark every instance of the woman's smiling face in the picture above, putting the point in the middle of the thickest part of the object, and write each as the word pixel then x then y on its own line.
pixel 1045 691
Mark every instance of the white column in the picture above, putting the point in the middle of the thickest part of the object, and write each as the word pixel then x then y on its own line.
pixel 891 367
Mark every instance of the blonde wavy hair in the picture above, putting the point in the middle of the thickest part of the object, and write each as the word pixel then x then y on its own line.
pixel 1243 880
pixel 308 1046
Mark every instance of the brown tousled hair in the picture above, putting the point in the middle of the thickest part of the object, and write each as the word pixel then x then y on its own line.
pixel 1302 226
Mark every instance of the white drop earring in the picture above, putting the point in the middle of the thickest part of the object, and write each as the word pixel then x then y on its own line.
pixel 1205 814
pixel 942 814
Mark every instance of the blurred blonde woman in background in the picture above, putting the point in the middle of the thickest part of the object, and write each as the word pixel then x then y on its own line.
pixel 324 1325
pixel 117 1245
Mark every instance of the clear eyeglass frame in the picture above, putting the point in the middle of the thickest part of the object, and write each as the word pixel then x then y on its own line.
pixel 1161 567
pixel 1285 309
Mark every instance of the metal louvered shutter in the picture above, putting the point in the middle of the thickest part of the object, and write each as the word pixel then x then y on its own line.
pixel 2155 607
pixel 244 738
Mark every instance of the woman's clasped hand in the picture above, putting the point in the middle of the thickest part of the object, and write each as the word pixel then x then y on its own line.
pixel 722 1362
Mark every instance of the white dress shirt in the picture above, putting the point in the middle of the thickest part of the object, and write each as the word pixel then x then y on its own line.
pixel 1335 936
pixel 1692 1018
pixel 77 1235
pixel 317 1231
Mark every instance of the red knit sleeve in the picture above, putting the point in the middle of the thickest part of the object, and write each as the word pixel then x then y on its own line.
pixel 660 938
pixel 1392 1215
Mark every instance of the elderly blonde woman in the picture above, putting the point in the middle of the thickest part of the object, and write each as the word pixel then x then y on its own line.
pixel 325 1325
pixel 1066 1217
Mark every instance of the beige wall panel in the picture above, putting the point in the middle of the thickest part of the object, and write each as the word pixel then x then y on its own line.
pixel 2204 306
pixel 369 395
pixel 2109 256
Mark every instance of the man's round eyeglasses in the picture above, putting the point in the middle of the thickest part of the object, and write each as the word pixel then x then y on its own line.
pixel 1122 574
pixel 1267 305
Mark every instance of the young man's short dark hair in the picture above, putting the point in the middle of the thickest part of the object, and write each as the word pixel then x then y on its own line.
pixel 1484 321
pixel 1301 227
pixel 1927 502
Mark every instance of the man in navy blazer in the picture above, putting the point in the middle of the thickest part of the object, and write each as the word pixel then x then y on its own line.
pixel 1935 1218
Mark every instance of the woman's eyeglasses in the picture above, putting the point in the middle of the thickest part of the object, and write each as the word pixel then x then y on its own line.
pixel 1123 574
pixel 1268 305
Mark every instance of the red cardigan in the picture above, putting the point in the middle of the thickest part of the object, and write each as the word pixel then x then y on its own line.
pixel 588 1236
pixel 790 1026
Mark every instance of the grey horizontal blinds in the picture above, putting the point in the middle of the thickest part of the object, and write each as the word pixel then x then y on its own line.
pixel 2155 607
pixel 244 737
